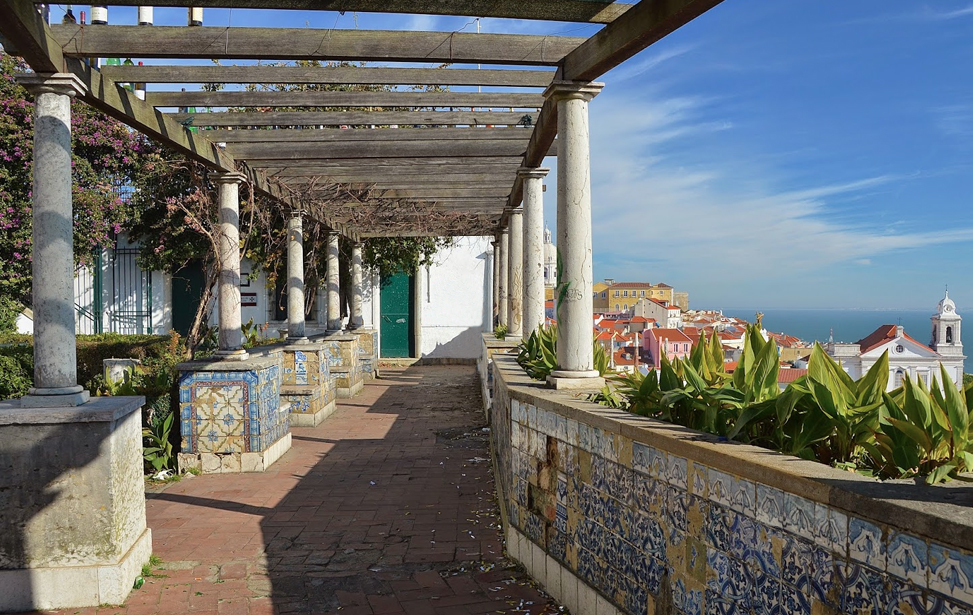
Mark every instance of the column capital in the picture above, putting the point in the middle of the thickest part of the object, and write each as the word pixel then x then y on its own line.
pixel 297 212
pixel 573 90
pixel 67 84
pixel 231 177
pixel 532 172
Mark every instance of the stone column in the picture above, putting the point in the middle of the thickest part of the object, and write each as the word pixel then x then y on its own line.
pixel 356 321
pixel 515 277
pixel 502 278
pixel 231 337
pixel 575 357
pixel 55 351
pixel 295 278
pixel 533 247
pixel 496 280
pixel 334 289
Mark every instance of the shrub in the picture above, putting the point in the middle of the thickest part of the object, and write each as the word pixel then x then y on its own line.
pixel 16 371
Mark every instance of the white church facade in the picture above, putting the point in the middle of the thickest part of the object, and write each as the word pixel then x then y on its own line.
pixel 907 355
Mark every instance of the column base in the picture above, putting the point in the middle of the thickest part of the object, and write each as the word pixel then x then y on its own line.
pixel 72 531
pixel 570 379
pixel 74 586
pixel 297 340
pixel 235 463
pixel 65 397
pixel 231 355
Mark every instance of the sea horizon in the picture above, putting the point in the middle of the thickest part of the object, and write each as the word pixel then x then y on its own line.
pixel 847 324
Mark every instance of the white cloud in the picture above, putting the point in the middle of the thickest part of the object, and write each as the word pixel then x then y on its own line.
pixel 731 215
pixel 635 68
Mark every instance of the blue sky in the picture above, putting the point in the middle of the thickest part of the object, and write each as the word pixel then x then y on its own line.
pixel 770 154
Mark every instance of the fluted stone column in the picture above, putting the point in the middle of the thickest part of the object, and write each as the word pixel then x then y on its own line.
pixel 515 277
pixel 55 354
pixel 502 278
pixel 575 357
pixel 231 337
pixel 356 321
pixel 334 288
pixel 533 247
pixel 295 278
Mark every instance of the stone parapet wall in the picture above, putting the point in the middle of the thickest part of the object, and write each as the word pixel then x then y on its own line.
pixel 484 365
pixel 368 352
pixel 649 517
pixel 342 351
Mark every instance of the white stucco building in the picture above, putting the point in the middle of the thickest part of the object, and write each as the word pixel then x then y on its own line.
pixel 907 355
pixel 550 260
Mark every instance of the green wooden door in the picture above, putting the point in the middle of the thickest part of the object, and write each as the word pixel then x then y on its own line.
pixel 397 339
pixel 187 290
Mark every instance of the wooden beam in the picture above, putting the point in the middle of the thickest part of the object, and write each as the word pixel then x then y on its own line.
pixel 592 11
pixel 371 149
pixel 310 44
pixel 540 145
pixel 396 165
pixel 377 135
pixel 345 99
pixel 436 194
pixel 643 25
pixel 25 34
pixel 330 75
pixel 355 118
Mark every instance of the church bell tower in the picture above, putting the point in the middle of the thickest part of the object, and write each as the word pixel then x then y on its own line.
pixel 946 327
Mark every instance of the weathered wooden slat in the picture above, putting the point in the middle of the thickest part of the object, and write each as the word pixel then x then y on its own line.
pixel 345 99
pixel 541 145
pixel 368 149
pixel 593 11
pixel 25 34
pixel 643 25
pixel 435 194
pixel 311 44
pixel 354 118
pixel 330 75
pixel 488 183
pixel 377 135
pixel 396 165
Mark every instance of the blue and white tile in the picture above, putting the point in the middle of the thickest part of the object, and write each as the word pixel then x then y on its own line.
pixel 908 558
pixel 677 506
pixel 821 572
pixel 677 471
pixel 716 604
pixel 792 601
pixel 951 573
pixel 939 605
pixel 765 595
pixel 904 598
pixel 647 460
pixel 796 563
pixel 698 474
pixel 831 528
pixel 743 497
pixel 799 516
pixel 770 506
pixel 720 487
pixel 863 591
pixel 719 526
pixel 532 416
pixel 865 543
pixel 584 437
pixel 572 433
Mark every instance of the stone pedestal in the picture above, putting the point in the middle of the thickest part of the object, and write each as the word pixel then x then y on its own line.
pixel 306 384
pixel 231 415
pixel 368 353
pixel 72 496
pixel 343 362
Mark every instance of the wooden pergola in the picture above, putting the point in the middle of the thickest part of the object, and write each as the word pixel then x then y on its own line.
pixel 435 162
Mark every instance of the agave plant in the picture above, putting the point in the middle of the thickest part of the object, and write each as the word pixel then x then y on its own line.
pixel 923 433
pixel 538 353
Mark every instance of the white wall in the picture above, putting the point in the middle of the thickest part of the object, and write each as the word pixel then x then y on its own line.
pixel 454 299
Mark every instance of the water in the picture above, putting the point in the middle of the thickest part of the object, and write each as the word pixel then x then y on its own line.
pixel 848 325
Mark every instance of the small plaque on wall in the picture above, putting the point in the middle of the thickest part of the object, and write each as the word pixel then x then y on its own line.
pixel 248 299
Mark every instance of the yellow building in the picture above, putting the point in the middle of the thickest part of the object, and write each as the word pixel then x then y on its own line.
pixel 611 296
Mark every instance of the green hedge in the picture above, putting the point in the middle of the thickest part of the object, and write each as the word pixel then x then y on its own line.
pixel 17 361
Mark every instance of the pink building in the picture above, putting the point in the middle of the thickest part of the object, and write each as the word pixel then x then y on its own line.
pixel 673 342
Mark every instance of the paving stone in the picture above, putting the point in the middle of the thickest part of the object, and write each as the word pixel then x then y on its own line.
pixel 375 510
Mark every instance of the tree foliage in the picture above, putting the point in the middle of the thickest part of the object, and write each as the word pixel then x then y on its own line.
pixel 106 157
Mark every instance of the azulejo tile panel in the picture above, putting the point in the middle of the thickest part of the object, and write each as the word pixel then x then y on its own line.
pixel 656 525
pixel 231 411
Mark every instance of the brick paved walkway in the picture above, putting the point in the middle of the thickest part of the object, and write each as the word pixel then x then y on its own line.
pixel 386 507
